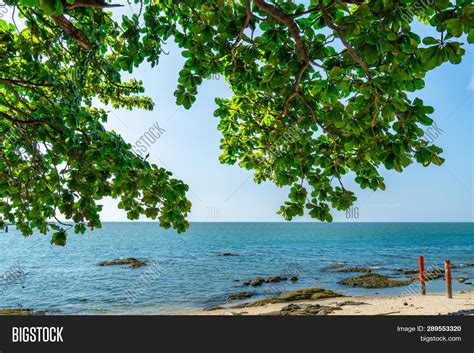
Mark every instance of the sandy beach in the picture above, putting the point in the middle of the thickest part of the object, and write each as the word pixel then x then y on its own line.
pixel 431 304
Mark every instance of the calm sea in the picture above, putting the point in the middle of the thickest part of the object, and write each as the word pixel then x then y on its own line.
pixel 186 272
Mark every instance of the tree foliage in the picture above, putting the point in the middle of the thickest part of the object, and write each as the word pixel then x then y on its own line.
pixel 321 93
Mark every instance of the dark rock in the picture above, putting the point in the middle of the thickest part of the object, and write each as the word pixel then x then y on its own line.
pixel 260 280
pixel 20 312
pixel 131 262
pixel 240 296
pixel 294 279
pixel 276 279
pixel 350 302
pixel 305 310
pixel 466 265
pixel 406 272
pixel 297 295
pixel 410 272
pixel 373 280
pixel 255 283
pixel 212 308
pixel 354 269
pixel 227 254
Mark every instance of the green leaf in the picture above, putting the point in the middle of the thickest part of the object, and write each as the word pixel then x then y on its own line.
pixel 470 36
pixel 425 120
pixel 29 3
pixel 59 238
pixel 430 41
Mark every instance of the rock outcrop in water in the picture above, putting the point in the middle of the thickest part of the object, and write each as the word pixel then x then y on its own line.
pixel 354 269
pixel 227 254
pixel 130 262
pixel 274 279
pixel 297 295
pixel 240 296
pixel 255 283
pixel 407 271
pixel 374 280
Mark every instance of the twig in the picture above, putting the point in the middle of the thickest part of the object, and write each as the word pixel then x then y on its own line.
pixel 241 33
pixel 25 122
pixel 97 4
pixel 389 313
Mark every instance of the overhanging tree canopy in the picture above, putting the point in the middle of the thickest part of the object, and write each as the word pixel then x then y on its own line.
pixel 320 94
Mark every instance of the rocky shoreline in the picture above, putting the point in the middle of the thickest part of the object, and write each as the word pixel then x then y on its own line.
pixel 430 304
pixel 362 277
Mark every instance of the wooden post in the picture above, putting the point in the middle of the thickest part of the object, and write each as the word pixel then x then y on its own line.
pixel 447 272
pixel 421 265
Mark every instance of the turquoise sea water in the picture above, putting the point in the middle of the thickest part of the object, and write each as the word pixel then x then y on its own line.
pixel 187 274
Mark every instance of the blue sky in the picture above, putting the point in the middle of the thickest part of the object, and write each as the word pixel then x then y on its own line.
pixel 190 148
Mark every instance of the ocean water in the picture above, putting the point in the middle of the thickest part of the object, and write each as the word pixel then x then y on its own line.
pixel 186 272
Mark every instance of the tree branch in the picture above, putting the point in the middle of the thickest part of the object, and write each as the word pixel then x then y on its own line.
pixel 25 122
pixel 241 33
pixel 285 19
pixel 328 20
pixel 75 34
pixel 97 4
pixel 22 82
pixel 17 96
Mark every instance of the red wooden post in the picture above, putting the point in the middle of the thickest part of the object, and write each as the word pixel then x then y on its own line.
pixel 447 272
pixel 421 265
